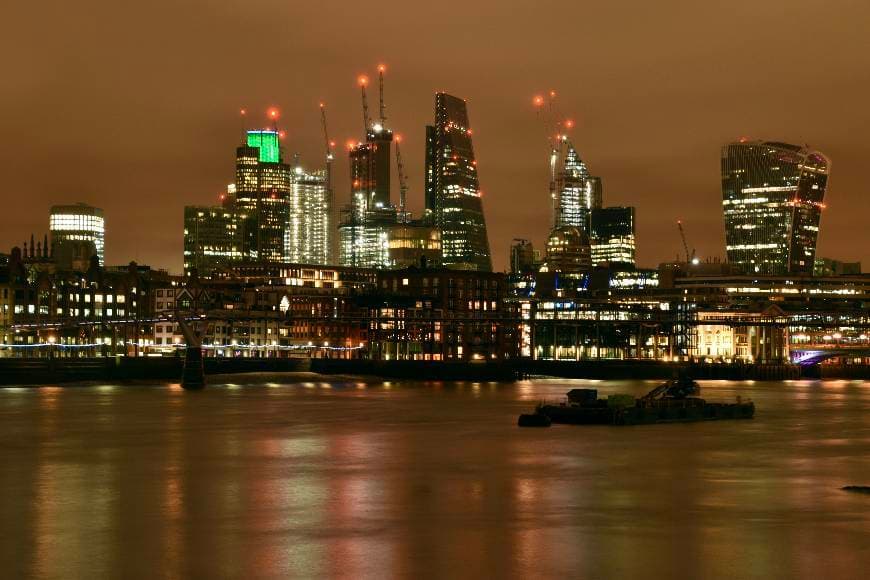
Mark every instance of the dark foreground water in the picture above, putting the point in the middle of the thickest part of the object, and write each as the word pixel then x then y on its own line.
pixel 296 479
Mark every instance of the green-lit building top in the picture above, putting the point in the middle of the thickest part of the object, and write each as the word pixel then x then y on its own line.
pixel 267 143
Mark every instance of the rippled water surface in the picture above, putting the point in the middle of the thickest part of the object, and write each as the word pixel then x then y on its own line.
pixel 296 479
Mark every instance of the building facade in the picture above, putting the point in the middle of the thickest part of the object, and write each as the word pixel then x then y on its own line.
pixel 71 226
pixel 309 226
pixel 414 244
pixel 262 192
pixel 613 238
pixel 453 197
pixel 568 251
pixel 577 192
pixel 214 237
pixel 772 196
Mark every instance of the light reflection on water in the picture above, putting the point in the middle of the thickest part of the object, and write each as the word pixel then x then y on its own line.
pixel 359 480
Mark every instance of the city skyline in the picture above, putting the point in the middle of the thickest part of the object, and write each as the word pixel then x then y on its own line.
pixel 652 138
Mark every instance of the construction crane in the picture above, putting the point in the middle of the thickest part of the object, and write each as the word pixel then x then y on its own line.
pixel 330 194
pixel 403 181
pixel 556 138
pixel 363 82
pixel 689 258
pixel 383 107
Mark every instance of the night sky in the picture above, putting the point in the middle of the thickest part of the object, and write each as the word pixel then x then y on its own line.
pixel 133 107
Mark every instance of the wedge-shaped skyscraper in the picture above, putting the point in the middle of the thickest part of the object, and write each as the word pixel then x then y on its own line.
pixel 453 199
pixel 772 196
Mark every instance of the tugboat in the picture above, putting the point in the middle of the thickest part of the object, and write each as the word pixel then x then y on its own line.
pixel 670 402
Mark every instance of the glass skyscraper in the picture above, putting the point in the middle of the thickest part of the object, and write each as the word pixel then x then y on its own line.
pixel 576 191
pixel 262 192
pixel 613 236
pixel 772 197
pixel 453 199
pixel 77 224
pixel 308 234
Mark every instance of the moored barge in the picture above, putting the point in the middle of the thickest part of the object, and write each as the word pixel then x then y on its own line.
pixel 670 402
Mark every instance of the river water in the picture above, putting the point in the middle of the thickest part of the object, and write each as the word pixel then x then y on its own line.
pixel 277 477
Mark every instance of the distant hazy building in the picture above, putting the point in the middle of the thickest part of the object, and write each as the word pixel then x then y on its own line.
pixel 453 198
pixel 772 196
pixel 568 251
pixel 613 236
pixel 829 267
pixel 214 238
pixel 70 225
pixel 523 257
pixel 596 191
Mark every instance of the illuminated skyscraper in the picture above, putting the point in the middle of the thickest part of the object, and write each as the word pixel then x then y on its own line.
pixel 453 198
pixel 77 224
pixel 309 227
pixel 578 192
pixel 772 196
pixel 613 236
pixel 262 192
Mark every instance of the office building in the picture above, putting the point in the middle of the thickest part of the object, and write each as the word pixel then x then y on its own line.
pixel 453 197
pixel 414 244
pixel 772 196
pixel 309 227
pixel 576 192
pixel 524 259
pixel 568 251
pixel 73 226
pixel 613 237
pixel 262 192
pixel 214 238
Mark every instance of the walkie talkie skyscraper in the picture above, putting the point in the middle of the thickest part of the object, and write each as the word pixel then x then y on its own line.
pixel 453 198
pixel 772 197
